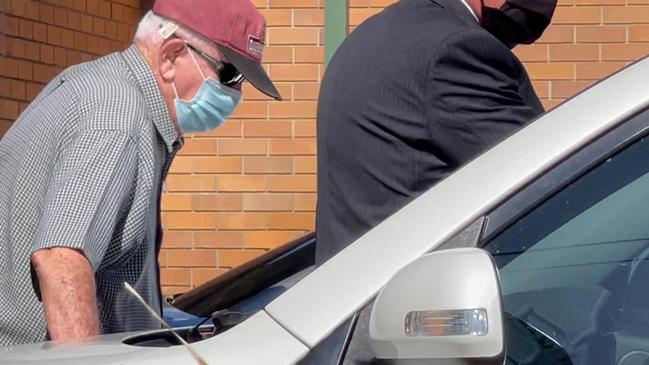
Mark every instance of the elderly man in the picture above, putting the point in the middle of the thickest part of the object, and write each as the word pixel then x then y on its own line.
pixel 411 95
pixel 81 169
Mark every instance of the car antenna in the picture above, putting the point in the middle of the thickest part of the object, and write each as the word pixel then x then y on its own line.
pixel 155 315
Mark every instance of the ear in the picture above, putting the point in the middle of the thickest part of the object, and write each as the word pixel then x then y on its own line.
pixel 170 50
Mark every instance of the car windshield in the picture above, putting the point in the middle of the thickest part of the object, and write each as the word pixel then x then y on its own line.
pixel 575 267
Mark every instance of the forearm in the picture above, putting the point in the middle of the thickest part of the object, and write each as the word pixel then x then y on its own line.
pixel 67 286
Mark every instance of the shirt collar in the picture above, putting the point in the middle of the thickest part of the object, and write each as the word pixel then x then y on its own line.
pixel 157 106
pixel 470 10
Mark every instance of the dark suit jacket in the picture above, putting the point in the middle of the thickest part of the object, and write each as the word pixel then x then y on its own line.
pixel 412 94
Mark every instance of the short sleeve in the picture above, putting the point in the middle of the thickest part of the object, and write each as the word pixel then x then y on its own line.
pixel 93 178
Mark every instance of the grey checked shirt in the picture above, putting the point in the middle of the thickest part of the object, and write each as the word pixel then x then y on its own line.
pixel 83 167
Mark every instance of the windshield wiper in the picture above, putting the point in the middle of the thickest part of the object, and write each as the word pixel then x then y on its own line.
pixel 221 319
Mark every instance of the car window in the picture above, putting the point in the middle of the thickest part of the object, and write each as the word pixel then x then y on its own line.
pixel 256 281
pixel 575 269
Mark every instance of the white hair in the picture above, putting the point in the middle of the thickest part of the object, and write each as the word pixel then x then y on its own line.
pixel 148 33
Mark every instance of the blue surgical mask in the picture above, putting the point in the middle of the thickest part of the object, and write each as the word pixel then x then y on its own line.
pixel 209 108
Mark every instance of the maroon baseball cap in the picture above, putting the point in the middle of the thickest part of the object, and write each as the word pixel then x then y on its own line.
pixel 235 26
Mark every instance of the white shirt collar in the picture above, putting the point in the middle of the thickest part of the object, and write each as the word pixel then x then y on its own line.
pixel 470 9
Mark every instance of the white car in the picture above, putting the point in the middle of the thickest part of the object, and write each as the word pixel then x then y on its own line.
pixel 536 252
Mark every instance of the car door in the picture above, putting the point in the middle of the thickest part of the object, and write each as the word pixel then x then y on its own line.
pixel 573 256
pixel 572 250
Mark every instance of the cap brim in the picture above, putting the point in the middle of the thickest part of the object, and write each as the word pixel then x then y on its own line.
pixel 253 72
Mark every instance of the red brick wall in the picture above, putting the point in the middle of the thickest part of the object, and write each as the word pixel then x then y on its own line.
pixel 43 37
pixel 250 185
pixel 589 39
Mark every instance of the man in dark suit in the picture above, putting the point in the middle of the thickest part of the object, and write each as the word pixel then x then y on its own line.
pixel 411 95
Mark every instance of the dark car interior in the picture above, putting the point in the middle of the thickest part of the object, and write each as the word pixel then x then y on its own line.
pixel 231 298
pixel 576 267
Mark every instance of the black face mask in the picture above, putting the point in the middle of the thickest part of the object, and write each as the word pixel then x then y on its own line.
pixel 518 21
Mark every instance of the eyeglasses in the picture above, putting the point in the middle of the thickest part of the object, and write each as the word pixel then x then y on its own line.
pixel 228 74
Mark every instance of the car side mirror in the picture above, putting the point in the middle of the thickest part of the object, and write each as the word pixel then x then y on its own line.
pixel 445 306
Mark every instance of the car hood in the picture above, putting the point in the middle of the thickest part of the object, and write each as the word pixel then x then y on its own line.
pixel 273 345
pixel 107 349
